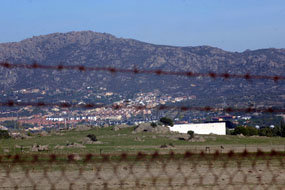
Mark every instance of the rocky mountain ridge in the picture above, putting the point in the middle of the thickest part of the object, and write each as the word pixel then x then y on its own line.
pixel 104 50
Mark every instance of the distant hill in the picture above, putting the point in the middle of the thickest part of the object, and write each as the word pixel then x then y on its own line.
pixel 99 49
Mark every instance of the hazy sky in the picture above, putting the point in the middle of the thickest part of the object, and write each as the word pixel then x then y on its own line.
pixel 234 25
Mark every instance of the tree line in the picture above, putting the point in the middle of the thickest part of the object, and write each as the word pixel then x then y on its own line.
pixel 264 131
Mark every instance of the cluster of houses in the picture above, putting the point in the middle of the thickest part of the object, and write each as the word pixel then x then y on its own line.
pixel 78 118
pixel 57 116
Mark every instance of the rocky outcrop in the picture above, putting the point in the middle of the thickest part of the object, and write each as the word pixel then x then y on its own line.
pixel 186 137
pixel 39 148
pixel 119 127
pixel 146 127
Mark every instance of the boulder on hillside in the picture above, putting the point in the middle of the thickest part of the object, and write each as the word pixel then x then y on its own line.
pixel 138 139
pixel 119 127
pixel 197 139
pixel 143 127
pixel 116 128
pixel 82 128
pixel 75 145
pixel 105 125
pixel 87 140
pixel 44 133
pixel 18 146
pixel 187 137
pixel 60 147
pixel 146 127
pixel 19 136
pixel 180 136
pixel 161 129
pixel 38 148
pixel 5 150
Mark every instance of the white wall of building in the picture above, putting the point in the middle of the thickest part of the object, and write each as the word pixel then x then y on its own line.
pixel 201 128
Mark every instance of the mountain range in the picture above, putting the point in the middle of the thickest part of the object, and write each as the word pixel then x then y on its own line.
pixel 94 49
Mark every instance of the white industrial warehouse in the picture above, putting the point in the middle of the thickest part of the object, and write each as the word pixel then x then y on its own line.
pixel 201 128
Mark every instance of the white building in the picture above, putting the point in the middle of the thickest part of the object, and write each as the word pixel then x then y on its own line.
pixel 201 128
pixel 93 118
pixel 3 128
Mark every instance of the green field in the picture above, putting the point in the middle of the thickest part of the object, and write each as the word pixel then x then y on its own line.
pixel 125 141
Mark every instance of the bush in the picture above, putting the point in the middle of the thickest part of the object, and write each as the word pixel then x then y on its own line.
pixel 279 130
pixel 240 130
pixel 251 131
pixel 29 133
pixel 4 134
pixel 282 126
pixel 92 137
pixel 265 131
pixel 166 121
pixel 153 124
pixel 268 132
pixel 191 134
pixel 246 131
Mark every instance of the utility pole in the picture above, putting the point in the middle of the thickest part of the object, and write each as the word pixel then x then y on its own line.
pixel 65 123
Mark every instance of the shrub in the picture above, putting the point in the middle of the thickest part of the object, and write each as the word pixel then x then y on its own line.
pixel 279 130
pixel 92 137
pixel 268 132
pixel 166 121
pixel 4 134
pixel 282 126
pixel 246 131
pixel 251 131
pixel 29 133
pixel 191 134
pixel 153 124
pixel 240 130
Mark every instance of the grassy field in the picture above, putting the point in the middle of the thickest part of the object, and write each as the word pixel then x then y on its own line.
pixel 125 141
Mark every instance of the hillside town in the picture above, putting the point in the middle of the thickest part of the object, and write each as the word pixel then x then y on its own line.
pixel 56 117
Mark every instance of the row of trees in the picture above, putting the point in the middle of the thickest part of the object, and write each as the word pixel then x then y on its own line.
pixel 266 131
pixel 16 125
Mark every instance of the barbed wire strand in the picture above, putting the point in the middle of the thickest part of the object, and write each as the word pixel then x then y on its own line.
pixel 11 103
pixel 138 155
pixel 157 72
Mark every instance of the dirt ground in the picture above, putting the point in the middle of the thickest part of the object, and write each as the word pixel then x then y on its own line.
pixel 149 174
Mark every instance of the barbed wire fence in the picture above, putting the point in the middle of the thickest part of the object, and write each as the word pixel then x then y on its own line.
pixel 203 170
pixel 12 103
pixel 145 171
